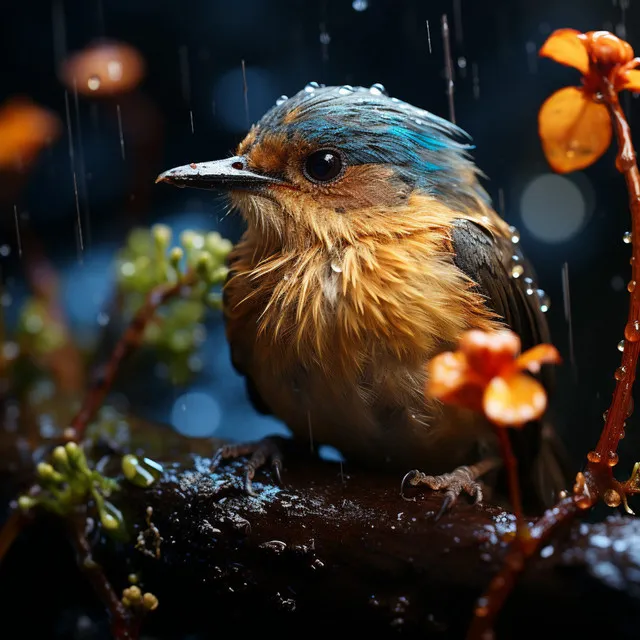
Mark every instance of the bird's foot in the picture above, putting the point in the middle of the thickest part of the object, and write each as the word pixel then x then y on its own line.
pixel 453 484
pixel 259 452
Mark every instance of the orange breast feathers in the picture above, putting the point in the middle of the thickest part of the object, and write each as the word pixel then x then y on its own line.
pixel 395 293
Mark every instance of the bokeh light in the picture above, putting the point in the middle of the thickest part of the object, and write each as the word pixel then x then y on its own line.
pixel 554 208
pixel 196 414
pixel 103 69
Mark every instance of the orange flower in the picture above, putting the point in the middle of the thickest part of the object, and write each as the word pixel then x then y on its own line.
pixel 25 129
pixel 486 375
pixel 574 123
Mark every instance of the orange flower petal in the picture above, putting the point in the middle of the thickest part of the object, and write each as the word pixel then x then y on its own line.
pixel 537 356
pixel 451 380
pixel 631 81
pixel 514 401
pixel 567 46
pixel 575 131
pixel 488 353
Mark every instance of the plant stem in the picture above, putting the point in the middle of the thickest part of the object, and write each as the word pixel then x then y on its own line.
pixel 511 466
pixel 490 604
pixel 601 462
pixel 124 624
pixel 129 341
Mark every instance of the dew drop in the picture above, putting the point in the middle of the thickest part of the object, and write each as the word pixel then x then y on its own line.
pixel 632 331
pixel 612 459
pixel 282 99
pixel 378 89
pixel 93 83
pixel 605 415
pixel 621 345
pixel 594 456
pixel 612 498
pixel 545 301
pixel 631 286
pixel 515 234
pixel 530 289
pixel 620 373
pixel 311 87
pixel 345 90
pixel 626 238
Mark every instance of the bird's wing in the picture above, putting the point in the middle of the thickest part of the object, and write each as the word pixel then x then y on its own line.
pixel 488 260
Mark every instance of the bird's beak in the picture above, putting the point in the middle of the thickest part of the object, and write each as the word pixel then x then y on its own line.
pixel 228 174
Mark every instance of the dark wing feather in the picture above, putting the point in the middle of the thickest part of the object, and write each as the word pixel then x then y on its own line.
pixel 253 394
pixel 488 261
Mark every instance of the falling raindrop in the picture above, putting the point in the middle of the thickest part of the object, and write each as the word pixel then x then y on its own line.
pixel 325 38
pixel 103 319
pixel 626 238
pixel 281 100
pixel 5 250
pixel 448 67
pixel 532 56
pixel 429 37
pixel 360 5
pixel 462 62
pixel 120 131
pixel 621 345
pixel 378 89
pixel 545 301
pixel 515 234
pixel 93 83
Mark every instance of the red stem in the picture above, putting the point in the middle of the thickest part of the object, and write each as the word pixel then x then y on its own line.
pixel 511 466
pixel 601 461
pixel 129 341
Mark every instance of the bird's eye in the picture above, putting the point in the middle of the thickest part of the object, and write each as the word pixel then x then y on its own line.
pixel 323 166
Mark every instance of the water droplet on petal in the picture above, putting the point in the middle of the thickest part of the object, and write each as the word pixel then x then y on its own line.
pixel 631 286
pixel 620 373
pixel 345 90
pixel 378 89
pixel 621 345
pixel 311 87
pixel 545 301
pixel 281 100
pixel 515 234
pixel 93 83
pixel 626 238
pixel 612 459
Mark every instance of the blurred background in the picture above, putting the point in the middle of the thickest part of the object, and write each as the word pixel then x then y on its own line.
pixel 160 84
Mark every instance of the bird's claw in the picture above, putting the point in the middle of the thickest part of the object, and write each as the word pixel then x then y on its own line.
pixel 259 453
pixel 454 483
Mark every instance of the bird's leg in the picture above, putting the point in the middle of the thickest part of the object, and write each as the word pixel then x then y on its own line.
pixel 454 483
pixel 259 453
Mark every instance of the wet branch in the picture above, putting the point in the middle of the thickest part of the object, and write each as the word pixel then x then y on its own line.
pixel 129 342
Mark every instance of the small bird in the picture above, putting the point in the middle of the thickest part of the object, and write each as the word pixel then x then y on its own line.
pixel 370 247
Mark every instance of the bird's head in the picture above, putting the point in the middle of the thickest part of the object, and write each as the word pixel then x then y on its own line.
pixel 337 164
